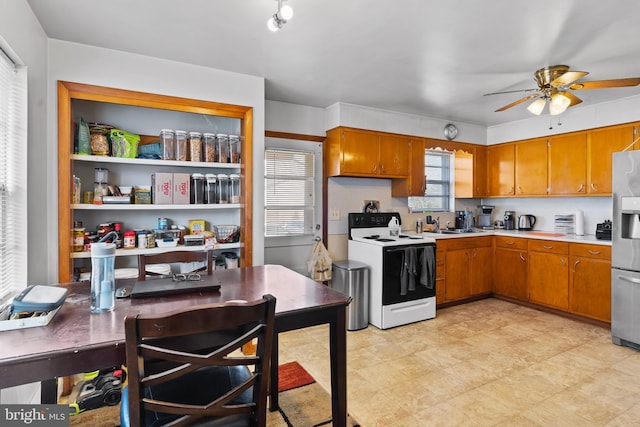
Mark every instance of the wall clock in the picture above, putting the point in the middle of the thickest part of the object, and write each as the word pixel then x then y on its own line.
pixel 450 131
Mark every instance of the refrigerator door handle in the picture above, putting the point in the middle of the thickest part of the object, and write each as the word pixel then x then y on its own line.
pixel 628 279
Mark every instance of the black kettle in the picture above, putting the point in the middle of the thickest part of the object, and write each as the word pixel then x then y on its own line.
pixel 526 222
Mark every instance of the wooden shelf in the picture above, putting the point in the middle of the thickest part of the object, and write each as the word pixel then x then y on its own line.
pixel 153 162
pixel 152 207
pixel 136 251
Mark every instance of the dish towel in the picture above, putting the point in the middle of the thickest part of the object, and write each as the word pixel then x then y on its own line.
pixel 408 271
pixel 428 267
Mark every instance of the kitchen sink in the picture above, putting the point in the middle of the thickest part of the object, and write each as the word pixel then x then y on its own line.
pixel 456 231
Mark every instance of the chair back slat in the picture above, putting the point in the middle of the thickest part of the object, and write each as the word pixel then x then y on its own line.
pixel 162 358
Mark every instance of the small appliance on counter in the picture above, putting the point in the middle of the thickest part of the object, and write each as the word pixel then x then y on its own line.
pixel 509 220
pixel 603 230
pixel 460 219
pixel 484 219
pixel 526 222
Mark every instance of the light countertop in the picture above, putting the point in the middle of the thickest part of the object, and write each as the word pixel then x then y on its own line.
pixel 541 235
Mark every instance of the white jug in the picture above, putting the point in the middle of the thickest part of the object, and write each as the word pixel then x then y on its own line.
pixel 394 228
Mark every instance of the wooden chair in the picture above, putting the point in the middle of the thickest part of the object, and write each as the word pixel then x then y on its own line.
pixel 174 257
pixel 171 385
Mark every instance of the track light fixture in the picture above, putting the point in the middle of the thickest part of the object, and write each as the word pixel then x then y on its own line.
pixel 281 17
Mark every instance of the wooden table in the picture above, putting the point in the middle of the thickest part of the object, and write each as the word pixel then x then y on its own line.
pixel 77 341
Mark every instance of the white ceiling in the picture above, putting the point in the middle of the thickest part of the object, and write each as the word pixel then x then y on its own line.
pixel 431 58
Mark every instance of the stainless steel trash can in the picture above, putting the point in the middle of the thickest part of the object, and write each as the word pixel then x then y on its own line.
pixel 352 279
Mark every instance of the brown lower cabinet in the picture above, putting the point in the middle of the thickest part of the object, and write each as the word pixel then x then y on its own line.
pixel 467 267
pixel 572 277
pixel 590 281
pixel 548 273
pixel 510 267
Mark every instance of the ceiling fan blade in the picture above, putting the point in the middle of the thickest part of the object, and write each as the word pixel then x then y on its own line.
pixel 603 84
pixel 568 78
pixel 574 99
pixel 510 91
pixel 519 101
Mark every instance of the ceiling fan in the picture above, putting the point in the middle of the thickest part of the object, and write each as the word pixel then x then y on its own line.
pixel 553 85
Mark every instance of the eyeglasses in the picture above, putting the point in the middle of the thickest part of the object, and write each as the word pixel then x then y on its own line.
pixel 191 277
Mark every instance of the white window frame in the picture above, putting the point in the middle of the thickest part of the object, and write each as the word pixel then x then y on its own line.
pixel 306 200
pixel 425 203
pixel 13 176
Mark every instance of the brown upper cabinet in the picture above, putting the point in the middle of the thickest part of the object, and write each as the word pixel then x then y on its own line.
pixel 531 167
pixel 363 153
pixel 602 143
pixel 414 185
pixel 480 171
pixel 567 157
pixel 500 170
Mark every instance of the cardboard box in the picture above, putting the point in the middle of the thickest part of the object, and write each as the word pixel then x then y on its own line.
pixel 197 226
pixel 29 322
pixel 162 188
pixel 181 189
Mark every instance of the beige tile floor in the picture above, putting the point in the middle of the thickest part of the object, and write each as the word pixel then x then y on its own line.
pixel 486 363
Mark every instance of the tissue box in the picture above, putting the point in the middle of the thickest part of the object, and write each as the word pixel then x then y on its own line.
pixel 162 188
pixel 181 189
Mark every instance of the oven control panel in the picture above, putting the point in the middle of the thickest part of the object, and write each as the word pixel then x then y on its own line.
pixel 368 220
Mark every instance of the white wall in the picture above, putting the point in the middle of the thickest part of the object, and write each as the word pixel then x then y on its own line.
pixel 292 118
pixel 20 30
pixel 97 66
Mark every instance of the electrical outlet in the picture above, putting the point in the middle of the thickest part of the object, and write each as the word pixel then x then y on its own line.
pixel 335 214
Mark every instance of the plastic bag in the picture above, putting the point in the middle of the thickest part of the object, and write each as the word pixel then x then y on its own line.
pixel 124 144
pixel 84 138
pixel 320 263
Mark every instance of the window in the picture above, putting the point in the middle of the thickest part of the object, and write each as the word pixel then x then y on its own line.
pixel 439 183
pixel 13 177
pixel 289 177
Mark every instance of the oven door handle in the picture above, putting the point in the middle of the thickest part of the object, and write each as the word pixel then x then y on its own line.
pixel 388 250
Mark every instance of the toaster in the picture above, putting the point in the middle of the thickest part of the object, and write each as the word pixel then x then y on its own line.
pixel 603 230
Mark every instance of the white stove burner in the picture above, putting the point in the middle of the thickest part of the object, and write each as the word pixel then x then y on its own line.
pixel 379 236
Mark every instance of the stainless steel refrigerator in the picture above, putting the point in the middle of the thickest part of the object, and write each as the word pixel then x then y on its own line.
pixel 625 251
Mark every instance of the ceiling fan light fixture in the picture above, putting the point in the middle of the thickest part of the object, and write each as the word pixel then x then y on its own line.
pixel 283 14
pixel 537 106
pixel 558 103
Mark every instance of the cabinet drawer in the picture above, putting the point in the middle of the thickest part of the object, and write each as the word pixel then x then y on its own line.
pixel 548 246
pixel 468 243
pixel 590 251
pixel 511 242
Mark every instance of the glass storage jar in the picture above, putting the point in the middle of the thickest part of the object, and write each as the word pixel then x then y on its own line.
pixel 167 140
pixel 234 148
pixel 223 188
pixel 223 147
pixel 197 188
pixel 234 188
pixel 195 146
pixel 210 148
pixel 181 145
pixel 211 191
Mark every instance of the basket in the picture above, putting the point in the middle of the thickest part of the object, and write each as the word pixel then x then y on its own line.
pixel 227 233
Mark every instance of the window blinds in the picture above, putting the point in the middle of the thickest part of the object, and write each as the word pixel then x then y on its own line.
pixel 289 192
pixel 13 178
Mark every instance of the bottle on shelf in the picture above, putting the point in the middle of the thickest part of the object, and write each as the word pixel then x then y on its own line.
pixel 223 188
pixel 234 149
pixel 198 182
pixel 195 146
pixel 210 148
pixel 223 147
pixel 211 192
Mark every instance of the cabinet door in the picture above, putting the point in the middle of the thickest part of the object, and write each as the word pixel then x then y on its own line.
pixel 359 152
pixel 480 172
pixel 500 170
pixel 568 164
pixel 481 273
pixel 590 288
pixel 510 273
pixel 441 256
pixel 531 168
pixel 415 184
pixel 457 274
pixel 548 276
pixel 463 173
pixel 602 144
pixel 394 156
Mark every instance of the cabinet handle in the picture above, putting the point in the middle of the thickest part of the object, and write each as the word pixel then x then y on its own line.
pixel 628 279
pixel 381 167
pixel 563 261
pixel 520 190
pixel 594 252
pixel 510 243
pixel 581 188
pixel 522 257
pixel 575 264
pixel 512 191
pixel 375 168
pixel 547 247
pixel 594 187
